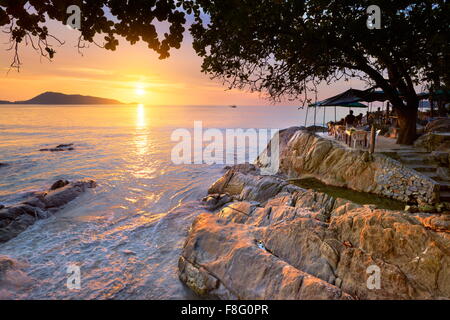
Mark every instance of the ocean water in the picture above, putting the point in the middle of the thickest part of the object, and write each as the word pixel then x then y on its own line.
pixel 126 235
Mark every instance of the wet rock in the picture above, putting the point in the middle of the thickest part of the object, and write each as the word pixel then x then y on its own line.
pixel 216 201
pixel 35 202
pixel 60 148
pixel 15 219
pixel 17 226
pixel 6 264
pixel 59 184
pixel 12 277
pixel 61 196
pixel 3 164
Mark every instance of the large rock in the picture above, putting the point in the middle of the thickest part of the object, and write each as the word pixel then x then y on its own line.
pixel 15 219
pixel 12 276
pixel 225 261
pixel 433 142
pixel 61 196
pixel 60 148
pixel 244 181
pixel 310 156
pixel 439 125
pixel 302 244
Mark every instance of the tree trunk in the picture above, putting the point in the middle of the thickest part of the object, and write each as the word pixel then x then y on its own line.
pixel 441 109
pixel 407 119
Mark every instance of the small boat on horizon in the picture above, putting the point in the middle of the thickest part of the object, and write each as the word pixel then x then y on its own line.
pixel 233 106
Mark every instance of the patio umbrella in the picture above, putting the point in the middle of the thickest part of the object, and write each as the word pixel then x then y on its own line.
pixel 351 105
pixel 437 95
pixel 353 96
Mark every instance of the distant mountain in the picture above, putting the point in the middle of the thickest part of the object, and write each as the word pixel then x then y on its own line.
pixel 61 98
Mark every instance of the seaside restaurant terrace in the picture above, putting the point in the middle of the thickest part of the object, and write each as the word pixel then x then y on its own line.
pixel 375 130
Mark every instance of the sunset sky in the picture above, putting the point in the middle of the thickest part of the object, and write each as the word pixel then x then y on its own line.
pixel 130 74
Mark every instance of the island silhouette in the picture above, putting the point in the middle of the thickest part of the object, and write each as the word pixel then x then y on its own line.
pixel 53 98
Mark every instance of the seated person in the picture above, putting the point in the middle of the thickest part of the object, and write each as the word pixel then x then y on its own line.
pixel 350 119
pixel 378 116
pixel 359 119
pixel 330 126
pixel 340 122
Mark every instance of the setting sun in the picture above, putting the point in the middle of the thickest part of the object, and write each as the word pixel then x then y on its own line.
pixel 140 91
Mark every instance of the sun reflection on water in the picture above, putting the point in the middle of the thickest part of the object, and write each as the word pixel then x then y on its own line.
pixel 141 137
pixel 141 122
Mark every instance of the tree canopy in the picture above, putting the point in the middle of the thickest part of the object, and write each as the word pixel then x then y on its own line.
pixel 280 47
pixel 133 20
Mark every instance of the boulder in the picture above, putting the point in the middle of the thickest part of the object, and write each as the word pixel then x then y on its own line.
pixel 439 125
pixel 243 182
pixel 63 195
pixel 15 219
pixel 216 201
pixel 284 136
pixel 59 184
pixel 433 142
pixel 310 156
pixel 12 277
pixel 303 244
pixel 224 261
pixel 60 148
pixel 316 129
pixel 6 264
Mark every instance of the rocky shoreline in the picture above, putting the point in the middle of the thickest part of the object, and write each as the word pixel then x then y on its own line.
pixel 306 155
pixel 17 218
pixel 267 239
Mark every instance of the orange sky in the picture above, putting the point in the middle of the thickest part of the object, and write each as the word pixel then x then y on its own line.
pixel 117 75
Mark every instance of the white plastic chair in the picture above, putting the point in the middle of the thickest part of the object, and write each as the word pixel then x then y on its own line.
pixel 377 134
pixel 359 137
